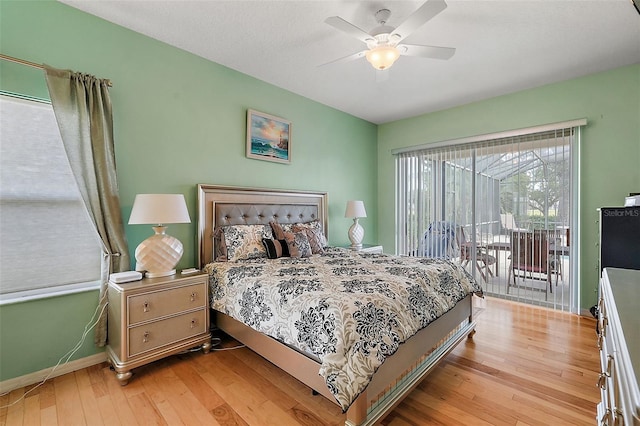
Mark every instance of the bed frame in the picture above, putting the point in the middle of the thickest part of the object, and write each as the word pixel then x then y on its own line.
pixel 397 376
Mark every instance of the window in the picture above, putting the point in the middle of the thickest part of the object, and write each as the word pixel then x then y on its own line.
pixel 463 201
pixel 47 243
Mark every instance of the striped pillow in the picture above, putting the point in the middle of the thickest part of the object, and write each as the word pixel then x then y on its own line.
pixel 275 248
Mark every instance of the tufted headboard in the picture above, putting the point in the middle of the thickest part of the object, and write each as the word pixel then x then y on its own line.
pixel 226 205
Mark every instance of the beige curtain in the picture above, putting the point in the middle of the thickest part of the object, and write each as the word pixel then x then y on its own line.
pixel 82 108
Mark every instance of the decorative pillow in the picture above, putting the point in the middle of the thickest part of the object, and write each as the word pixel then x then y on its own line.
pixel 245 241
pixel 220 254
pixel 275 248
pixel 298 244
pixel 280 228
pixel 315 235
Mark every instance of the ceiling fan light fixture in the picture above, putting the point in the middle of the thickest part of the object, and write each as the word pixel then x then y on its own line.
pixel 382 57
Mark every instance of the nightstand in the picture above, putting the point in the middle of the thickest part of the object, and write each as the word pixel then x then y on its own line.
pixel 154 318
pixel 369 248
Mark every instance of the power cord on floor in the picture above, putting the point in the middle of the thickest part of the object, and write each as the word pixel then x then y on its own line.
pixel 215 342
pixel 66 357
pixel 228 349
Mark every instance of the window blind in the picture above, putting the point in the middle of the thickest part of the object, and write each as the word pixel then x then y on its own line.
pixel 47 242
pixel 455 194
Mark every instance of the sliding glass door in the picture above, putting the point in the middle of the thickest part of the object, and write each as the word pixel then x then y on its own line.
pixel 501 207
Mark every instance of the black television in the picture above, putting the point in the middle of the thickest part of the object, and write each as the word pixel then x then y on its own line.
pixel 620 237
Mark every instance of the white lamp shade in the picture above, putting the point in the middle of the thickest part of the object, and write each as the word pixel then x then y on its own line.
pixel 355 209
pixel 155 209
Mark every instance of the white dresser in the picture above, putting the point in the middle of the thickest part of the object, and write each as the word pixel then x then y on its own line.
pixel 619 343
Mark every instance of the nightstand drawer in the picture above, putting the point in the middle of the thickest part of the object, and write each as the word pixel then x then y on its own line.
pixel 153 335
pixel 148 306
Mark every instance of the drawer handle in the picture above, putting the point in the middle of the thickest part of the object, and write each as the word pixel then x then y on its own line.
pixel 602 324
pixel 618 418
pixel 145 337
pixel 145 306
pixel 606 418
pixel 600 341
pixel 194 322
pixel 609 365
pixel 602 381
pixel 194 295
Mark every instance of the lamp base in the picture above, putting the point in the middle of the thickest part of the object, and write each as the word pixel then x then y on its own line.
pixel 356 234
pixel 159 274
pixel 159 254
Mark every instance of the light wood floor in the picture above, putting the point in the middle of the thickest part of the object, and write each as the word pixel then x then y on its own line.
pixel 524 366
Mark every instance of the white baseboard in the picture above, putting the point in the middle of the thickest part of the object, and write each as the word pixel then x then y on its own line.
pixel 38 376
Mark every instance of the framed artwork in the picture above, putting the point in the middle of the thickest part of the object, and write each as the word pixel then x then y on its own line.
pixel 268 137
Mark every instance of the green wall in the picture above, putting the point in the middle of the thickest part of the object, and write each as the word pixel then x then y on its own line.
pixel 179 120
pixel 610 157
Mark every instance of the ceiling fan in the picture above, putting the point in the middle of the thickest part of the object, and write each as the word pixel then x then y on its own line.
pixel 383 42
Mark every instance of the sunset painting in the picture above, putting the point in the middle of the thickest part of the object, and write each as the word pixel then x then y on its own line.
pixel 268 137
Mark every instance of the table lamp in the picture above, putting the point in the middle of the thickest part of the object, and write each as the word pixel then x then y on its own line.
pixel 159 254
pixel 355 209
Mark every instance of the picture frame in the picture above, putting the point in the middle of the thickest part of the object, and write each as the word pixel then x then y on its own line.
pixel 268 137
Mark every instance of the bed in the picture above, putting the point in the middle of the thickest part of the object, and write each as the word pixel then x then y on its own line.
pixel 322 341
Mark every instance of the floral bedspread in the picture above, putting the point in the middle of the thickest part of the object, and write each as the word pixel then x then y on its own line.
pixel 352 310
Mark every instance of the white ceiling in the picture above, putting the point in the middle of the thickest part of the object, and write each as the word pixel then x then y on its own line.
pixel 503 46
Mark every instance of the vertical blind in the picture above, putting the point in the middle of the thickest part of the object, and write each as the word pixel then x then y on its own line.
pixel 476 192
pixel 46 238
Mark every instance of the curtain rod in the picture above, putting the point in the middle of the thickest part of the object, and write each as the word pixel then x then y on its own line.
pixel 33 64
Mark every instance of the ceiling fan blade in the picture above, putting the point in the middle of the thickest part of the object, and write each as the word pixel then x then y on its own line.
pixel 433 52
pixel 349 28
pixel 347 58
pixel 424 13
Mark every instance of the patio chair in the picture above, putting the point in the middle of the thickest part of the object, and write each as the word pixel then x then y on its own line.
pixel 508 223
pixel 530 255
pixel 467 248
pixel 438 240
pixel 556 251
